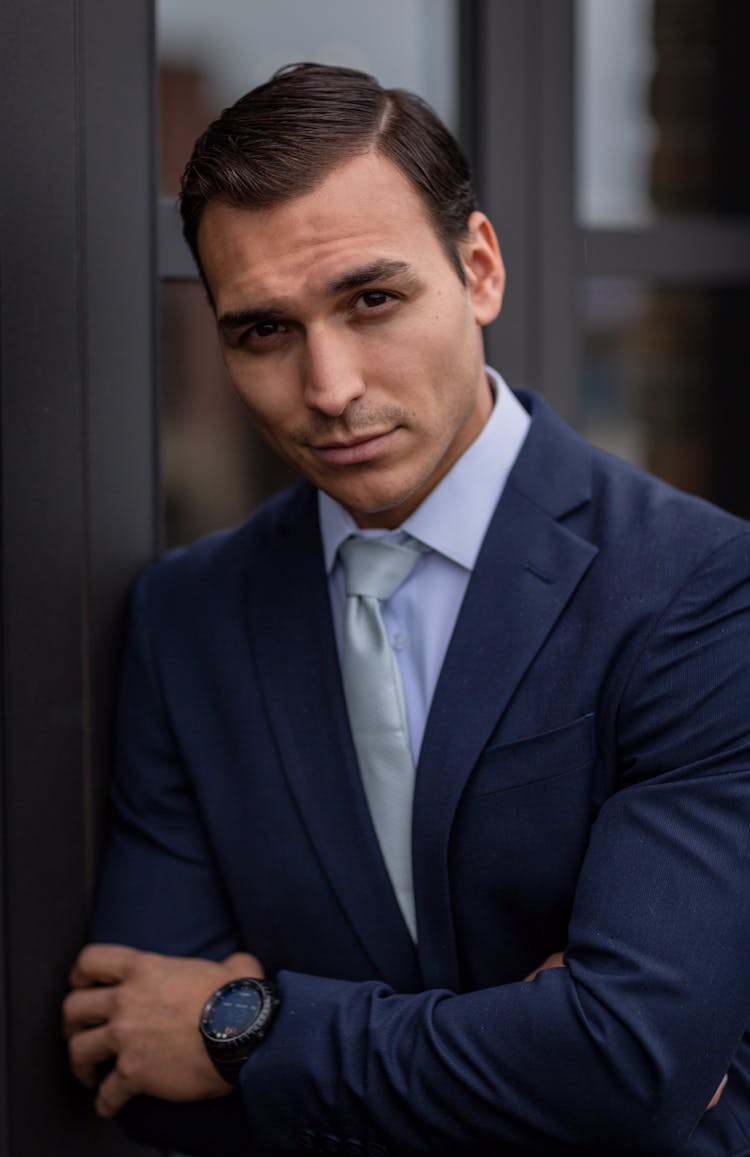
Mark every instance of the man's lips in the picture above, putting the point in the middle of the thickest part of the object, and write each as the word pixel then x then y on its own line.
pixel 355 450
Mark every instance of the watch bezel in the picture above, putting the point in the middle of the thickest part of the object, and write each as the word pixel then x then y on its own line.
pixel 227 1049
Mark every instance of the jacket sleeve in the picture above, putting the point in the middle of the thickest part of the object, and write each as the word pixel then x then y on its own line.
pixel 159 888
pixel 624 1047
pixel 158 852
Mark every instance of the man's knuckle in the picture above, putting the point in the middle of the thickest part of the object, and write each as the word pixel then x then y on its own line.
pixel 84 958
pixel 120 1034
pixel 141 966
pixel 127 1070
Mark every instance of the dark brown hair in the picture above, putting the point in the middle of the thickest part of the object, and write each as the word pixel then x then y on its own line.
pixel 284 138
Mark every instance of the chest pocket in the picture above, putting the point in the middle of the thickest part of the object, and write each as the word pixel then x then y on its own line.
pixel 533 759
pixel 518 841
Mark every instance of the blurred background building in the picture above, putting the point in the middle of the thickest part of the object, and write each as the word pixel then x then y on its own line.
pixel 609 145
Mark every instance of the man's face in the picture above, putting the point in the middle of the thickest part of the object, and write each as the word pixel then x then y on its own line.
pixel 349 336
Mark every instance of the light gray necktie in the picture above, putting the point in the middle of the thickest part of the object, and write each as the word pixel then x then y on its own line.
pixel 374 570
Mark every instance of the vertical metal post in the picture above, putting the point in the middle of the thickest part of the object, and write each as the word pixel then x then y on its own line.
pixel 497 134
pixel 517 112
pixel 78 486
pixel 557 288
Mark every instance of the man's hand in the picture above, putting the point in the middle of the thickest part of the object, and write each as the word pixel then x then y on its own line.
pixel 717 1095
pixel 553 961
pixel 142 1010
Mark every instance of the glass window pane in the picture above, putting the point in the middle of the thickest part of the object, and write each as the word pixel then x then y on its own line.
pixel 614 63
pixel 210 54
pixel 216 468
pixel 662 93
pixel 665 383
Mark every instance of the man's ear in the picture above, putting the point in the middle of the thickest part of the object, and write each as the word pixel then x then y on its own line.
pixel 485 272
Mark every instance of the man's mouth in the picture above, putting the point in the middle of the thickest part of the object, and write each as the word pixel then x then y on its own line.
pixel 351 451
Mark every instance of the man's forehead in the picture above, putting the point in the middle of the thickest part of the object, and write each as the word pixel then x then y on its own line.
pixel 364 215
pixel 363 197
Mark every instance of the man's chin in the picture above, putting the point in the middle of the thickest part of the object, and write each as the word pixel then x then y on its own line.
pixel 376 511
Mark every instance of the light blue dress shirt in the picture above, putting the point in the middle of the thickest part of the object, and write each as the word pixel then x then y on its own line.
pixel 451 524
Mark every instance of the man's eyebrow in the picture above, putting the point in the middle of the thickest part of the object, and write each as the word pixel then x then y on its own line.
pixel 376 271
pixel 354 279
pixel 237 318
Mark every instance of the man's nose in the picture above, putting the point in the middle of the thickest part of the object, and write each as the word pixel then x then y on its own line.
pixel 332 374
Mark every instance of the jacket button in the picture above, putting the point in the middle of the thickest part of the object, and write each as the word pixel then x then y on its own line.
pixel 375 1149
pixel 306 1139
pixel 330 1143
pixel 354 1148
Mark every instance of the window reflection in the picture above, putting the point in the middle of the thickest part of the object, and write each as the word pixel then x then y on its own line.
pixel 665 383
pixel 216 468
pixel 662 92
pixel 213 53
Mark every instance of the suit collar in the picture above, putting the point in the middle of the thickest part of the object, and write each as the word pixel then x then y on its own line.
pixel 529 566
pixel 553 468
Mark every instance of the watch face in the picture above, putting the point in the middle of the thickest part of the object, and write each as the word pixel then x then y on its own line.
pixel 234 1012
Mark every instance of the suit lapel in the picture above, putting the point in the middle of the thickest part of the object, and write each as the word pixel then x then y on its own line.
pixel 295 651
pixel 526 572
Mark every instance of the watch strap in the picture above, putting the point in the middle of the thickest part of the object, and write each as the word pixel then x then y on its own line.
pixel 230 1069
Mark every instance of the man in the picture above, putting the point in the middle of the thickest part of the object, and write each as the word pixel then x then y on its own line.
pixel 573 686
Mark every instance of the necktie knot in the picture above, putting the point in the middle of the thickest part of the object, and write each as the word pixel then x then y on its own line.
pixel 375 568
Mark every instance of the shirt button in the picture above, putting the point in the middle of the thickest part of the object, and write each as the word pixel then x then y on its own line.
pixel 399 641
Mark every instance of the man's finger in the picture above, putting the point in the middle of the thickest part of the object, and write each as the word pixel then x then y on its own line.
pixel 717 1095
pixel 101 964
pixel 553 961
pixel 112 1095
pixel 87 1050
pixel 86 1008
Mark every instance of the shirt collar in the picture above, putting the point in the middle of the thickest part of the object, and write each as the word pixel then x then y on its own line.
pixel 454 517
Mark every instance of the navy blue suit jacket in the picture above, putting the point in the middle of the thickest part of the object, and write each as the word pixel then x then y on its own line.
pixel 584 782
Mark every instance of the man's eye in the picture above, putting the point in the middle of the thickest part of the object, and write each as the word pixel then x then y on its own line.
pixel 374 298
pixel 264 329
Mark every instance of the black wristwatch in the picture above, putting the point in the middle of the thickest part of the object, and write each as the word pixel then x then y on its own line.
pixel 234 1021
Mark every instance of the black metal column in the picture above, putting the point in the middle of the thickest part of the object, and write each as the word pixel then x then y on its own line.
pixel 517 113
pixel 78 495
